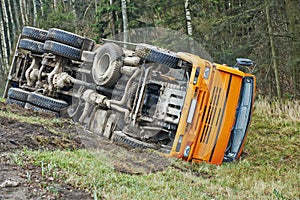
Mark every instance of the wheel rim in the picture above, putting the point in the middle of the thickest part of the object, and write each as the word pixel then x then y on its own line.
pixel 102 68
pixel 107 64
pixel 103 64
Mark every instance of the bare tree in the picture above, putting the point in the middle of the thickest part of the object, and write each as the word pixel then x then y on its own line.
pixel 273 51
pixel 125 20
pixel 55 4
pixel 188 18
pixel 42 7
pixel 113 19
pixel 96 6
pixel 12 22
pixel 293 19
pixel 7 28
pixel 34 12
pixel 3 45
pixel 23 12
pixel 75 15
pixel 16 16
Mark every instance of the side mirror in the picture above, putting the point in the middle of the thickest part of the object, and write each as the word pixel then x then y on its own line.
pixel 245 63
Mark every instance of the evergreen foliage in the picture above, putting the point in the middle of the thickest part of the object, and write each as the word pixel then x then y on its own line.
pixel 226 29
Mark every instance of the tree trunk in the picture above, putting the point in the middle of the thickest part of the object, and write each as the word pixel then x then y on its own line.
pixel 13 26
pixel 113 19
pixel 75 15
pixel 34 13
pixel 273 51
pixel 125 21
pixel 26 11
pixel 55 5
pixel 96 6
pixel 42 7
pixel 16 15
pixel 188 18
pixel 7 29
pixel 22 12
pixel 4 64
pixel 293 19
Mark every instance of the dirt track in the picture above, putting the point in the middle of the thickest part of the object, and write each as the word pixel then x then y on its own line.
pixel 16 135
pixel 15 182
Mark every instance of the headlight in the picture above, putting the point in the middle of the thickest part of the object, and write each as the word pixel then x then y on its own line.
pixel 179 143
pixel 206 72
pixel 186 152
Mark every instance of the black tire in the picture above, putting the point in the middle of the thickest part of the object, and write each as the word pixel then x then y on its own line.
pixel 45 102
pixel 35 33
pixel 122 139
pixel 156 55
pixel 65 37
pixel 62 50
pixel 16 102
pixel 38 109
pixel 31 45
pixel 18 94
pixel 107 64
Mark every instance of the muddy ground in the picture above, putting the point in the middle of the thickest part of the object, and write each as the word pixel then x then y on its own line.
pixel 26 181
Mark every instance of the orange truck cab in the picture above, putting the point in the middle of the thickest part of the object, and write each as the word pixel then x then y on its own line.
pixel 216 112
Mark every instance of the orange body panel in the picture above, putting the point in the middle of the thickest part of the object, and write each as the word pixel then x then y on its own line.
pixel 209 112
pixel 218 119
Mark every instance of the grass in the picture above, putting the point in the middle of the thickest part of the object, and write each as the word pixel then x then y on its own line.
pixel 34 119
pixel 269 169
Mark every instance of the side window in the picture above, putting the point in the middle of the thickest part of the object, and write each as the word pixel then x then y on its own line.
pixel 206 71
pixel 196 75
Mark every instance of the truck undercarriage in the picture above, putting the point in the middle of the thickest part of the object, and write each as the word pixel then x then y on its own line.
pixel 134 97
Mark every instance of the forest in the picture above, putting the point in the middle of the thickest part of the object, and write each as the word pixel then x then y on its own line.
pixel 268 32
pixel 43 156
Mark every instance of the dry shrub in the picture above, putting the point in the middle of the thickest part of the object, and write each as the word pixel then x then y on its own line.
pixel 289 109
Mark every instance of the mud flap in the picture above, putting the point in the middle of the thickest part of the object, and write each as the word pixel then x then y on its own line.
pixel 98 121
pixel 110 126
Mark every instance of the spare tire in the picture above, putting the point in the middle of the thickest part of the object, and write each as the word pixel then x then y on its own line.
pixel 62 50
pixel 34 33
pixel 32 45
pixel 46 102
pixel 107 64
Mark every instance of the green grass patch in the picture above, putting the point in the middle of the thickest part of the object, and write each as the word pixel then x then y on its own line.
pixel 33 119
pixel 269 168
pixel 84 170
pixel 50 123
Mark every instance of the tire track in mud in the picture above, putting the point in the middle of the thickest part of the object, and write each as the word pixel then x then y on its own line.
pixel 16 135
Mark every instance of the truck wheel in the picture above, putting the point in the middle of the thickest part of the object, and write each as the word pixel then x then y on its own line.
pixel 65 37
pixel 120 138
pixel 107 64
pixel 16 102
pixel 62 50
pixel 35 33
pixel 46 102
pixel 38 109
pixel 31 45
pixel 154 54
pixel 18 94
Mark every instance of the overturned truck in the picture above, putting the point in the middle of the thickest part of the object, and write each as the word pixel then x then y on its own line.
pixel 148 97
